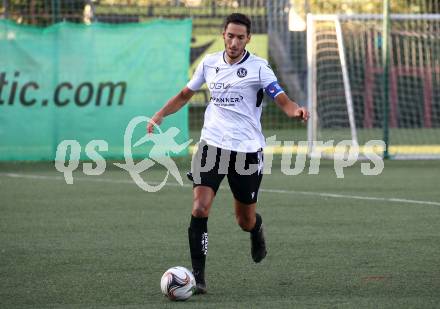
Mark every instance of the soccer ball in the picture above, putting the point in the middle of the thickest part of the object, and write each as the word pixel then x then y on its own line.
pixel 178 283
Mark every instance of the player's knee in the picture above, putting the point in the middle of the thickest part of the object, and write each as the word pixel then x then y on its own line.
pixel 200 209
pixel 245 223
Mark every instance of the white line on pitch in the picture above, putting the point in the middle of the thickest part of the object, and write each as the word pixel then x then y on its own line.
pixel 172 184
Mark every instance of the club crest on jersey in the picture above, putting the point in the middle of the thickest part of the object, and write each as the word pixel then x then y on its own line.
pixel 241 72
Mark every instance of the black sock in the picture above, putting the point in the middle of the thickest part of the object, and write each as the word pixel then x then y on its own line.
pixel 198 244
pixel 258 222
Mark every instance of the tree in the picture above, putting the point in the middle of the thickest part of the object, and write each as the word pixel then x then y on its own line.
pixel 44 12
pixel 367 7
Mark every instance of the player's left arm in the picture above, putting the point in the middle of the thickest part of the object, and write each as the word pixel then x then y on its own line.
pixel 270 84
pixel 291 108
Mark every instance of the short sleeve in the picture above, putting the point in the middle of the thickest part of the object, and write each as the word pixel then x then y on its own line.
pixel 267 76
pixel 268 81
pixel 198 78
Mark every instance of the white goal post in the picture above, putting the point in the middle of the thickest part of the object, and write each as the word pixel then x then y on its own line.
pixel 345 84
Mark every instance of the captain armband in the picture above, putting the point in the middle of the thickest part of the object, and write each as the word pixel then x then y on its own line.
pixel 273 89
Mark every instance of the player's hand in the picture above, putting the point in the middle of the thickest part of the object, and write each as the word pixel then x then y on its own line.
pixel 302 113
pixel 156 120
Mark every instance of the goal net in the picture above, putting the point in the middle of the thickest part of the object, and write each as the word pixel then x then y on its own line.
pixel 346 84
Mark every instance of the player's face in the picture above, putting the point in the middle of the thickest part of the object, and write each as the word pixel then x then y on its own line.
pixel 235 37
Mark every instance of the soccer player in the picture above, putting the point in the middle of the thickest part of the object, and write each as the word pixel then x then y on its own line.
pixel 231 137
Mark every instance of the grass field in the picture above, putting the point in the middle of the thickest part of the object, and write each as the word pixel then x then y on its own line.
pixel 357 242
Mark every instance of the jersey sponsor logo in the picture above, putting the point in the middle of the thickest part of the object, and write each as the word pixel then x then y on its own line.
pixel 241 72
pixel 226 100
pixel 219 86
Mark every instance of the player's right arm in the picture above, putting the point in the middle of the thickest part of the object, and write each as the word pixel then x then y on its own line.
pixel 172 106
pixel 180 99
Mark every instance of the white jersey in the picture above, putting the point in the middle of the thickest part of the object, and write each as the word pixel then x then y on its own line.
pixel 232 118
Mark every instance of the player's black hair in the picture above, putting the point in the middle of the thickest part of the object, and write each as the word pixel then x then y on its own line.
pixel 238 18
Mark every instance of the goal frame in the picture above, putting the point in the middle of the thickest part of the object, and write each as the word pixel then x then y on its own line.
pixel 312 100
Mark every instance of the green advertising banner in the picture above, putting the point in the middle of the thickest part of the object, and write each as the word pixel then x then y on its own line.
pixel 86 82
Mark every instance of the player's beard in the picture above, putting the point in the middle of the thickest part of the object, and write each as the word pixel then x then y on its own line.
pixel 236 53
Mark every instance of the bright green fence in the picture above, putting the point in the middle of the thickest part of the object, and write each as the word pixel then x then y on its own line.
pixel 84 83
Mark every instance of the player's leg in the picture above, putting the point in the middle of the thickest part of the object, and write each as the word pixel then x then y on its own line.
pixel 245 190
pixel 204 190
pixel 250 221
pixel 203 197
pixel 245 215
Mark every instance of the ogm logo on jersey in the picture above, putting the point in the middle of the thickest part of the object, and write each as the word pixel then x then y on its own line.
pixel 241 72
pixel 219 86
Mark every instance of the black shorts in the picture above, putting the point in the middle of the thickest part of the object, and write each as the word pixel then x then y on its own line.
pixel 244 170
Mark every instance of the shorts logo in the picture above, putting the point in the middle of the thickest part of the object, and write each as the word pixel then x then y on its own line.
pixel 241 72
